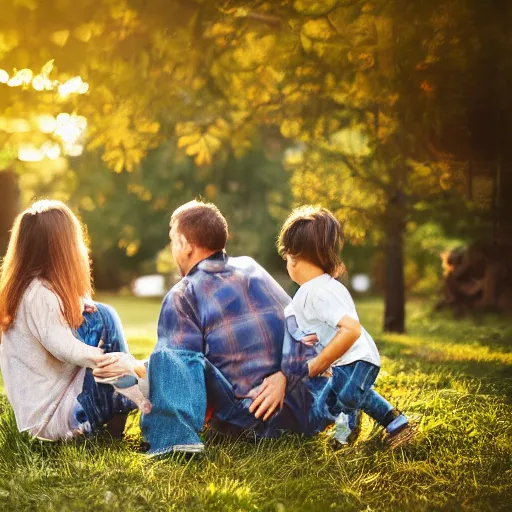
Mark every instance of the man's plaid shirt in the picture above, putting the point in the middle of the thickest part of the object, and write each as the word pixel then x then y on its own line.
pixel 232 311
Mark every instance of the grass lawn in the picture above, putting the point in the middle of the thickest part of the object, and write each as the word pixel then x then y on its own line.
pixel 456 375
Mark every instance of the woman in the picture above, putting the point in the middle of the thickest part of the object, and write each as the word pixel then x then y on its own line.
pixel 45 279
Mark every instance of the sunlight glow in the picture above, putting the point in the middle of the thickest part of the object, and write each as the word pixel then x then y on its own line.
pixel 73 85
pixel 361 283
pixel 51 150
pixel 46 123
pixel 29 153
pixel 15 125
pixel 42 82
pixel 22 77
pixel 70 127
pixel 74 149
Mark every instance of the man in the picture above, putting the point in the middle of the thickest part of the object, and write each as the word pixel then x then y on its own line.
pixel 222 342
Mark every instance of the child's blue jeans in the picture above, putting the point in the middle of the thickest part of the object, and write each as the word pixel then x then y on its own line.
pixel 351 388
pixel 99 403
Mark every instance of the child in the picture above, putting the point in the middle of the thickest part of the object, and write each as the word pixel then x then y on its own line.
pixel 310 241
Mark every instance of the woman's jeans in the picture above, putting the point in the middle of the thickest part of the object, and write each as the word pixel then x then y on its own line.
pixel 99 403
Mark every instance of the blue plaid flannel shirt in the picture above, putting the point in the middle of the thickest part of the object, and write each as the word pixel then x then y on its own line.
pixel 232 311
pixel 221 331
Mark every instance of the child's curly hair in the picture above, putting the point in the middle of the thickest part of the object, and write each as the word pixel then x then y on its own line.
pixel 315 235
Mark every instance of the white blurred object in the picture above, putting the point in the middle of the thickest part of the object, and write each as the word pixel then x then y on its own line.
pixel 149 286
pixel 361 283
pixel 73 85
pixel 341 429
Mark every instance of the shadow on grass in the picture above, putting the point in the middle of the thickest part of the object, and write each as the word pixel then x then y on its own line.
pixel 492 370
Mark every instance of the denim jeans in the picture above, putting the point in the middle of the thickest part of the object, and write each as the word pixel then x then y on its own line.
pixel 99 403
pixel 351 388
pixel 182 384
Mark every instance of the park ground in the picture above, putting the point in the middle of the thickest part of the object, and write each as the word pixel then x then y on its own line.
pixel 455 376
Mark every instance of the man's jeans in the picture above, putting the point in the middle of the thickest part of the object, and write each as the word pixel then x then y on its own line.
pixel 99 403
pixel 351 388
pixel 181 382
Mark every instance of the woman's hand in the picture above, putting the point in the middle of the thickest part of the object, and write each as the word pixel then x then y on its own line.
pixel 117 364
pixel 89 307
pixel 100 359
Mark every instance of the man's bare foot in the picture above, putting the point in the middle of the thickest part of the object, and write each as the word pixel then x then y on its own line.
pixel 135 395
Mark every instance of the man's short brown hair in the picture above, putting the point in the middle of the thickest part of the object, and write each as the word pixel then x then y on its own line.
pixel 202 224
pixel 315 235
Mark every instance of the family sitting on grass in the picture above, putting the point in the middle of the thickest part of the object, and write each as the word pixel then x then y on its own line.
pixel 233 349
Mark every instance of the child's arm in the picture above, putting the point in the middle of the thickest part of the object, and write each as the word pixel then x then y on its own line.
pixel 348 333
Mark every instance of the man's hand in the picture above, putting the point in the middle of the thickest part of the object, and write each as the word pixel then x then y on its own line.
pixel 269 396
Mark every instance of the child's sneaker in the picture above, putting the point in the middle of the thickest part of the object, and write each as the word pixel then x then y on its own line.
pixel 399 423
pixel 400 431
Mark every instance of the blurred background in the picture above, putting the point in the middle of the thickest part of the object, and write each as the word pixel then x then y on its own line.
pixel 394 114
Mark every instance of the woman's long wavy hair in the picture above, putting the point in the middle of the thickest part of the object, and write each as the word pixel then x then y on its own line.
pixel 47 242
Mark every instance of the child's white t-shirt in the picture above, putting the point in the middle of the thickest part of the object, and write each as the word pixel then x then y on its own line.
pixel 319 305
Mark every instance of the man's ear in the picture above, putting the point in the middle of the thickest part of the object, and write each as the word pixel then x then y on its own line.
pixel 185 244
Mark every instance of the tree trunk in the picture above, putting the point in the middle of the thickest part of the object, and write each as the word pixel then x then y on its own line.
pixel 9 205
pixel 394 314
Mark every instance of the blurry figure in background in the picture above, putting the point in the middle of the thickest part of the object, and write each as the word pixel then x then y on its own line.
pixel 477 277
pixel 149 286
pixel 52 335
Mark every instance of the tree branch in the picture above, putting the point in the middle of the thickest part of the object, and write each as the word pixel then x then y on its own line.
pixel 355 169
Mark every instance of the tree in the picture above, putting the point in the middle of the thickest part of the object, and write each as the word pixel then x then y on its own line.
pixel 9 200
pixel 364 92
pixel 376 149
